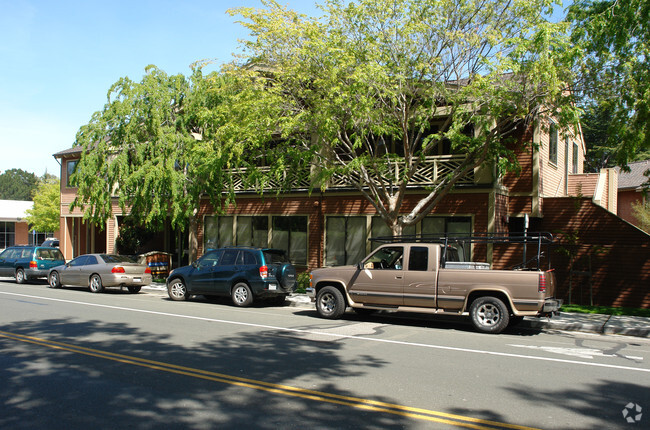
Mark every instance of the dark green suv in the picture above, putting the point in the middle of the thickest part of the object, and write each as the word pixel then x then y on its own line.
pixel 29 262
pixel 243 273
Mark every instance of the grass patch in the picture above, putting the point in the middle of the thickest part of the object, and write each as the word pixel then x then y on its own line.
pixel 607 310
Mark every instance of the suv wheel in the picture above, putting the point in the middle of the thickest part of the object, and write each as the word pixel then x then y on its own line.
pixel 177 290
pixel 330 303
pixel 242 295
pixel 489 314
pixel 20 276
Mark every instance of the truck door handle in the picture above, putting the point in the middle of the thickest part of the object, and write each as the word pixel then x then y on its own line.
pixel 398 277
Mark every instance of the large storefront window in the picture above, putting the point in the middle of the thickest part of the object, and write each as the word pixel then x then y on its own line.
pixel 449 225
pixel 379 228
pixel 287 232
pixel 345 241
pixel 290 234
pixel 7 234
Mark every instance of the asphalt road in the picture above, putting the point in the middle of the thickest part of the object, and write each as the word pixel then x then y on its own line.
pixel 71 359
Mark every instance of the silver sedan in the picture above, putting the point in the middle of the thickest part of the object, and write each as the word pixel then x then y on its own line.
pixel 98 271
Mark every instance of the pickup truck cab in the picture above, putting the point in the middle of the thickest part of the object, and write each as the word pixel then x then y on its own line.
pixel 410 277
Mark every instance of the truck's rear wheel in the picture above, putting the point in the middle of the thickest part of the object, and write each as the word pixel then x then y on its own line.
pixel 330 303
pixel 489 314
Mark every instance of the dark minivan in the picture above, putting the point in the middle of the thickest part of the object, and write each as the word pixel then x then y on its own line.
pixel 243 273
pixel 29 262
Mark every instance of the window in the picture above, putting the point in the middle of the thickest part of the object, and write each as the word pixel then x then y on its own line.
pixel 389 257
pixel 253 231
pixel 379 228
pixel 453 225
pixel 7 234
pixel 218 231
pixel 71 167
pixel 345 240
pixel 290 234
pixel 552 142
pixel 575 158
pixel 419 258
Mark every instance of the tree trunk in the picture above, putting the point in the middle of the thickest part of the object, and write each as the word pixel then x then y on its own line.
pixel 193 242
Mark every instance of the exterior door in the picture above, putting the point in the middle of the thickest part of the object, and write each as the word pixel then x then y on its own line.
pixel 203 277
pixel 380 280
pixel 420 277
pixel 7 260
pixel 225 271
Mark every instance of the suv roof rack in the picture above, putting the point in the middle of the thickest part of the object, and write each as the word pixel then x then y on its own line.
pixel 514 238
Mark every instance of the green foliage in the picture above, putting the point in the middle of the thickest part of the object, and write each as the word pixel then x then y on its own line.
pixel 303 282
pixel 46 213
pixel 132 237
pixel 17 184
pixel 373 87
pixel 157 148
pixel 607 310
pixel 641 212
pixel 614 76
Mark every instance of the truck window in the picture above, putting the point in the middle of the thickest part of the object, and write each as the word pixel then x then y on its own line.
pixel 419 258
pixel 386 258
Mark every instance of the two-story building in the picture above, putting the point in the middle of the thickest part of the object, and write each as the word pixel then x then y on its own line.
pixel 333 227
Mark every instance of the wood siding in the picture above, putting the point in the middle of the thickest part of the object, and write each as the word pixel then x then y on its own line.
pixel 616 254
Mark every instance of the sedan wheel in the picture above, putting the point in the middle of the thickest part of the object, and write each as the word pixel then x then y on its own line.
pixel 242 295
pixel 53 280
pixel 96 284
pixel 20 276
pixel 177 290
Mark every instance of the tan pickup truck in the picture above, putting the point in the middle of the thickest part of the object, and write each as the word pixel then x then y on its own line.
pixel 408 277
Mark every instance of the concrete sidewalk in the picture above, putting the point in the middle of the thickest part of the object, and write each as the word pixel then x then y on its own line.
pixel 591 323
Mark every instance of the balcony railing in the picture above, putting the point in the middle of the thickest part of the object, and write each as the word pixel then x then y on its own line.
pixel 429 173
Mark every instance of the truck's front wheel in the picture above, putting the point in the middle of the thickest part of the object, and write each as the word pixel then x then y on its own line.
pixel 489 314
pixel 330 303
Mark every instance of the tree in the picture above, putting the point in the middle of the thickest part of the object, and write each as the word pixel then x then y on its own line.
pixel 641 212
pixel 17 184
pixel 155 149
pixel 614 79
pixel 371 88
pixel 46 214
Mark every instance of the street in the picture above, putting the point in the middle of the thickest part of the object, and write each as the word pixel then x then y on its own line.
pixel 71 359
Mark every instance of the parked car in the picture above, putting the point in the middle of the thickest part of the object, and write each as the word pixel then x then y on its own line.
pixel 25 263
pixel 51 242
pixel 243 273
pixel 99 271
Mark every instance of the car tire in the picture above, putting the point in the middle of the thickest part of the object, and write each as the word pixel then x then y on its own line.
pixel 242 295
pixel 134 289
pixel 20 276
pixel 330 303
pixel 177 290
pixel 489 314
pixel 53 280
pixel 95 285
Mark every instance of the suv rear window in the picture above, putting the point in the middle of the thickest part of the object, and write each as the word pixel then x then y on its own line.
pixel 49 254
pixel 273 256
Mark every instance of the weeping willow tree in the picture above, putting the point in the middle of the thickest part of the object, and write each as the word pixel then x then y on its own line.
pixel 157 148
pixel 357 92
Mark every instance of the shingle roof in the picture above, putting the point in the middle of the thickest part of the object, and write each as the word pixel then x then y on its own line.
pixel 69 151
pixel 635 177
pixel 14 210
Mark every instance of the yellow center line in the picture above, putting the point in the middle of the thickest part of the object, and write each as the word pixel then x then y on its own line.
pixel 355 402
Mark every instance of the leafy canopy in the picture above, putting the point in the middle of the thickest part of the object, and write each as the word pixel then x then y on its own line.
pixel 46 213
pixel 156 148
pixel 17 184
pixel 615 72
pixel 371 88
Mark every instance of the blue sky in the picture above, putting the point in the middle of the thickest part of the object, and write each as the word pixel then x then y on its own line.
pixel 59 58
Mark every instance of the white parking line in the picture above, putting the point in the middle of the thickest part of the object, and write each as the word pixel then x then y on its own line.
pixel 338 335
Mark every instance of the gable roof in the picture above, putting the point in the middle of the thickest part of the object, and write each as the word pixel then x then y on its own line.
pixel 14 210
pixel 635 178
